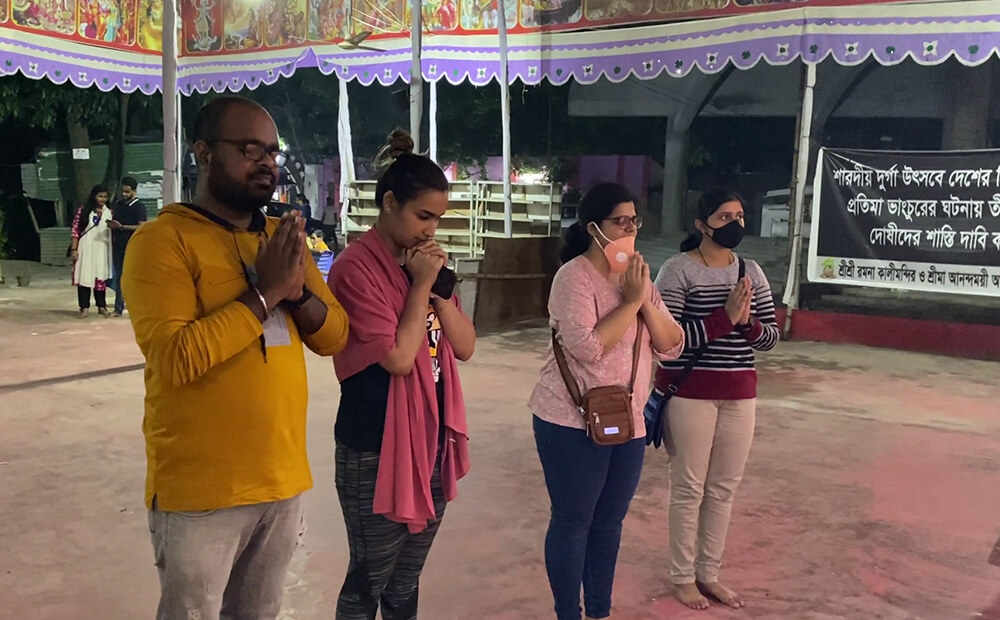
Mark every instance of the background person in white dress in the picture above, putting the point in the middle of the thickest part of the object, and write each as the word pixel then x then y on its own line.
pixel 91 251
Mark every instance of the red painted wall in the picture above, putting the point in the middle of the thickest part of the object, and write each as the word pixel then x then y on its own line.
pixel 937 337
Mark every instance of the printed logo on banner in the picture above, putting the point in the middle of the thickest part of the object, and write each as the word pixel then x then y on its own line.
pixel 922 220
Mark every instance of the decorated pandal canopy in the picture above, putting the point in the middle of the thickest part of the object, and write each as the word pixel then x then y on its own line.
pixel 237 44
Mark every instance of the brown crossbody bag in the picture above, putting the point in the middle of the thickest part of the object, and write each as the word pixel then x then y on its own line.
pixel 607 410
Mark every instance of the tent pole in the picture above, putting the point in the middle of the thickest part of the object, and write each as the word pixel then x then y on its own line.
pixel 171 106
pixel 799 176
pixel 432 122
pixel 508 224
pixel 416 75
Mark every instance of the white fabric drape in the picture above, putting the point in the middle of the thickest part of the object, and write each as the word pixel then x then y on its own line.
pixel 345 148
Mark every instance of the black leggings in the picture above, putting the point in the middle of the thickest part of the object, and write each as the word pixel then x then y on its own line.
pixel 83 296
pixel 386 559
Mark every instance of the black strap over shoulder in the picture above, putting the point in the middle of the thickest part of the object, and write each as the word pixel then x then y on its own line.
pixel 676 384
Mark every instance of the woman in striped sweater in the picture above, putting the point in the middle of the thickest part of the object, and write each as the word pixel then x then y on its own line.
pixel 710 418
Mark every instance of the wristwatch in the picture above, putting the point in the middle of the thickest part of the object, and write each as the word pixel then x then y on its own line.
pixel 298 303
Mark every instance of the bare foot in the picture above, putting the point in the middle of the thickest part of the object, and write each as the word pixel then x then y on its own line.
pixel 689 596
pixel 721 593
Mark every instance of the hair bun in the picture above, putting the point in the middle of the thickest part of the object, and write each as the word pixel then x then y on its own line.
pixel 400 143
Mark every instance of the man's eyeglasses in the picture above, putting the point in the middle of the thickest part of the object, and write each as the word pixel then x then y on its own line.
pixel 254 151
pixel 623 221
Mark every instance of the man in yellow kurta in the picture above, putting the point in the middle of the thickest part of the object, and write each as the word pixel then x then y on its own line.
pixel 222 300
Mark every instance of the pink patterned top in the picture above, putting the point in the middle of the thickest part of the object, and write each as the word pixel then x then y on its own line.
pixel 579 299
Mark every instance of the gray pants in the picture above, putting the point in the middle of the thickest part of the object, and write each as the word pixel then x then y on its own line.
pixel 227 564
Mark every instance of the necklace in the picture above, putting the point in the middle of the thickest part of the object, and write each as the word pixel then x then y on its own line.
pixel 729 262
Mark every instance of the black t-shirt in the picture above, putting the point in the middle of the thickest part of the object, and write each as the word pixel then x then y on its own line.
pixel 365 396
pixel 130 213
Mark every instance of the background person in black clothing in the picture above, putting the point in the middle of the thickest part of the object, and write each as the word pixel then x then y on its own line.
pixel 305 207
pixel 127 214
pixel 302 204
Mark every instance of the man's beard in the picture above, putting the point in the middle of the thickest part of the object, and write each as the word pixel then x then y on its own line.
pixel 238 195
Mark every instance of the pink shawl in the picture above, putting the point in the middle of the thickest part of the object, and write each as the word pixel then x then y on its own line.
pixel 369 283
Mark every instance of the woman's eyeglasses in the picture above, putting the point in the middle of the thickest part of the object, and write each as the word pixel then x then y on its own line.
pixel 623 221
pixel 254 151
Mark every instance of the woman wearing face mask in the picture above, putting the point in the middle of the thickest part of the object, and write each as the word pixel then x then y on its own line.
pixel 401 441
pixel 710 417
pixel 599 299
pixel 90 250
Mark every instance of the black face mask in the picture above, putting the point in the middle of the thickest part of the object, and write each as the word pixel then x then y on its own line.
pixel 728 236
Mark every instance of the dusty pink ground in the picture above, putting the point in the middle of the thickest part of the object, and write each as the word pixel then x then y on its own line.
pixel 871 493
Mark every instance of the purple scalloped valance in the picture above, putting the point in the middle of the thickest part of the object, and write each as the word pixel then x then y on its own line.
pixel 926 33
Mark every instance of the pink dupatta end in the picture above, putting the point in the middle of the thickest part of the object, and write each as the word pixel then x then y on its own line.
pixel 372 287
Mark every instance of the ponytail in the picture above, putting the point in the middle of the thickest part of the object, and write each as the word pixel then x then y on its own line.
pixel 691 242
pixel 575 243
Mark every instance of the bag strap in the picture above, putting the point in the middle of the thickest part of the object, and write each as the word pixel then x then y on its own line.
pixel 574 389
pixel 676 384
pixel 636 352
pixel 571 385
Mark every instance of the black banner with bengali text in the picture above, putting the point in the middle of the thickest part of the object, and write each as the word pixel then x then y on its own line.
pixel 927 220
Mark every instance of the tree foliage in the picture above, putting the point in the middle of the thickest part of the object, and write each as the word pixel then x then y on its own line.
pixel 77 118
pixel 304 107
pixel 42 104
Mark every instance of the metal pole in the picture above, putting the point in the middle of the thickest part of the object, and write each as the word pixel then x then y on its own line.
pixel 171 105
pixel 416 75
pixel 432 121
pixel 508 223
pixel 800 174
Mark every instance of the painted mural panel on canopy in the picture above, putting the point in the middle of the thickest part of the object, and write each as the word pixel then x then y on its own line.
pixel 149 34
pixel 216 27
pixel 133 25
pixel 221 26
pixel 329 20
pixel 108 21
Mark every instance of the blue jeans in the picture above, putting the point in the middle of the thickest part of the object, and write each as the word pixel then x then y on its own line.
pixel 591 488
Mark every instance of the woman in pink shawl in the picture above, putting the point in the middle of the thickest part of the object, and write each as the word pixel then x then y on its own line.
pixel 400 432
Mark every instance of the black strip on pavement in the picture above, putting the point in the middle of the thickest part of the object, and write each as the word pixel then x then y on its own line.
pixel 31 385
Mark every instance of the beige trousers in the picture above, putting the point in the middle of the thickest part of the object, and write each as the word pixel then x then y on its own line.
pixel 711 442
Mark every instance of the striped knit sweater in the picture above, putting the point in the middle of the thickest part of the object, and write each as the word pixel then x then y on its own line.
pixel 696 297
